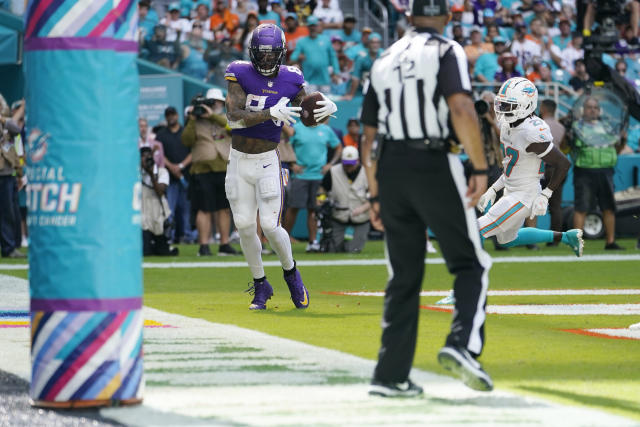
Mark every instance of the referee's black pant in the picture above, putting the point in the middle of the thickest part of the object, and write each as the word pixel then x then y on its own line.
pixel 420 189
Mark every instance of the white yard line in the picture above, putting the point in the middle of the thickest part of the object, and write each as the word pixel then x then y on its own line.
pixel 617 332
pixel 556 309
pixel 508 292
pixel 203 373
pixel 373 261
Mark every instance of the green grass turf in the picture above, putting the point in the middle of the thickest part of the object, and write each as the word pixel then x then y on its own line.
pixel 526 354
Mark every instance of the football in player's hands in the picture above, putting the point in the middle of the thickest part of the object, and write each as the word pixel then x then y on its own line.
pixel 308 104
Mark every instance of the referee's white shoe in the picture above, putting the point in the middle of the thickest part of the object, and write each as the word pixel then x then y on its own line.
pixel 462 364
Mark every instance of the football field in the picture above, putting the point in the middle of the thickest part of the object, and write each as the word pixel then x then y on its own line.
pixel 557 329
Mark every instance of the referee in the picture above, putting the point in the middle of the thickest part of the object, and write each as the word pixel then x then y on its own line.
pixel 419 87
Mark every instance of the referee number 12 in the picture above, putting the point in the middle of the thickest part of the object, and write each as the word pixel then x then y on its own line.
pixel 405 69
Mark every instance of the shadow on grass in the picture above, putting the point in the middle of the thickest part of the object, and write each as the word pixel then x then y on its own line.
pixel 490 401
pixel 603 402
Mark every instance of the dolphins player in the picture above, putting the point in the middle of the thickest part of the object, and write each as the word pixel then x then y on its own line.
pixel 526 144
pixel 258 98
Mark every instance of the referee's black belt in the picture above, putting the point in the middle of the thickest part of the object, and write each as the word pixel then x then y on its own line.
pixel 427 144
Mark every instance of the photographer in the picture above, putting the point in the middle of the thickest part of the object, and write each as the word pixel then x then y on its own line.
pixel 10 183
pixel 594 148
pixel 155 208
pixel 347 187
pixel 490 133
pixel 208 137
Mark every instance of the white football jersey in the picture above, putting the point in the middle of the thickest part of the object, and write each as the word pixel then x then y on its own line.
pixel 522 170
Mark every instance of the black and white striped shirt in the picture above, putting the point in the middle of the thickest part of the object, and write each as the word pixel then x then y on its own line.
pixel 410 83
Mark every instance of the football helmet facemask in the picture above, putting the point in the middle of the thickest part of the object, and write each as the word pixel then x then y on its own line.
pixel 267 49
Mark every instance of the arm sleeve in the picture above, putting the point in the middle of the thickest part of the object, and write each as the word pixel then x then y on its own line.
pixel 370 107
pixel 453 76
pixel 189 134
pixel 219 119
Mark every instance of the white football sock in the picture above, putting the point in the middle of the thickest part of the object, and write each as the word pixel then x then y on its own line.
pixel 252 249
pixel 281 244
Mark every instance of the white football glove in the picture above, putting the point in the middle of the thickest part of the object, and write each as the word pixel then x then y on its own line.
pixel 489 196
pixel 281 112
pixel 328 107
pixel 540 203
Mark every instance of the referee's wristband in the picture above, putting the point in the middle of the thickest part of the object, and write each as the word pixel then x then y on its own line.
pixel 480 172
pixel 374 199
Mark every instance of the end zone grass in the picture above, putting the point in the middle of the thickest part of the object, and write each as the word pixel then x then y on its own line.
pixel 527 354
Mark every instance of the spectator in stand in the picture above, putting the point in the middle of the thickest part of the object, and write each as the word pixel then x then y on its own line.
pixel 458 35
pixel 243 8
pixel 347 187
pixel 524 48
pixel 224 55
pixel 572 52
pixel 161 51
pixel 457 15
pixel 361 47
pixel 276 6
pixel 349 34
pixel 155 208
pixel 548 114
pixel 338 45
pixel 352 137
pixel 627 44
pixel 209 139
pixel 317 58
pixel 331 18
pixel 524 8
pixel 177 27
pixel 302 8
pixel 534 75
pixel 341 86
pixel 507 62
pixel 539 8
pixel 477 47
pixel 193 50
pixel 310 145
pixel 563 39
pixel 486 65
pixel 581 77
pixel 147 19
pixel 480 7
pixel 249 25
pixel 223 22
pixel 187 8
pixel 147 139
pixel 362 66
pixel 177 159
pixel 545 83
pixel 203 18
pixel 492 31
pixel 293 32
pixel 538 35
pixel 267 16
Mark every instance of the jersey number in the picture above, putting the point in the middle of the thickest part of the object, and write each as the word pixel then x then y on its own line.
pixel 257 103
pixel 513 155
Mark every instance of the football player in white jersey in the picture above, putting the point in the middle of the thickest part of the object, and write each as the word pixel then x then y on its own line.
pixel 526 144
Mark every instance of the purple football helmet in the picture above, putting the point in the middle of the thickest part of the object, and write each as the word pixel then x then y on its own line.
pixel 267 49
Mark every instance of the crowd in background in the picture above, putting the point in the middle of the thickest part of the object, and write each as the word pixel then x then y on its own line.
pixel 181 172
